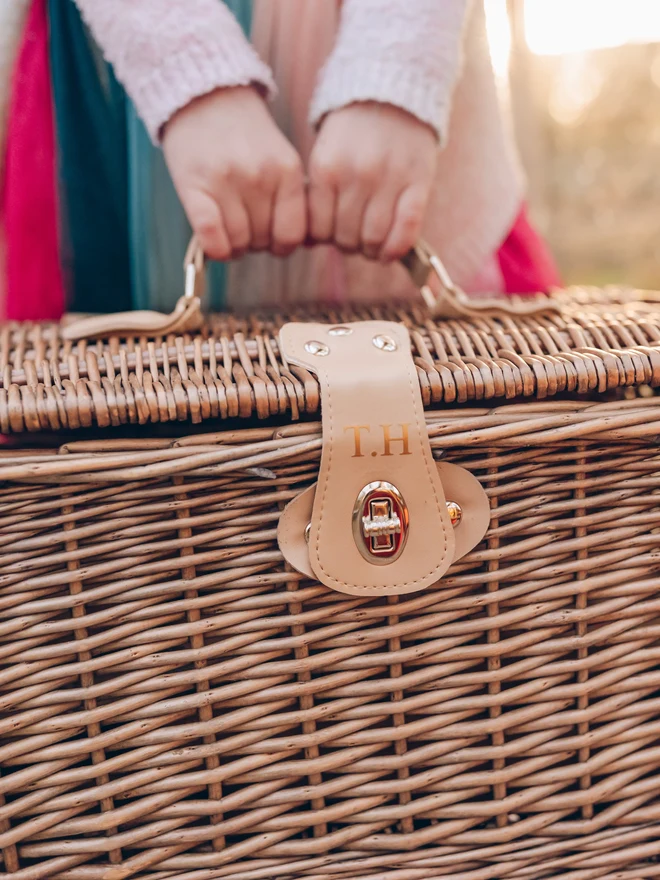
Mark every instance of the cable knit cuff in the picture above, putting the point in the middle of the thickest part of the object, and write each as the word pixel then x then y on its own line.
pixel 166 54
pixel 398 52
pixel 410 89
pixel 197 71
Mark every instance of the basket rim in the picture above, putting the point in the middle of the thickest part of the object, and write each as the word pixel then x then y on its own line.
pixel 233 370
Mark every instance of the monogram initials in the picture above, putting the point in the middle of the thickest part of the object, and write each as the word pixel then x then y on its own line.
pixel 402 441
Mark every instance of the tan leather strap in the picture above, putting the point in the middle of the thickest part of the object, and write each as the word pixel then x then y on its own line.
pixel 186 317
pixel 380 523
pixel 443 298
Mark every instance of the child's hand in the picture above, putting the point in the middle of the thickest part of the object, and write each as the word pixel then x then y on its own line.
pixel 371 172
pixel 239 179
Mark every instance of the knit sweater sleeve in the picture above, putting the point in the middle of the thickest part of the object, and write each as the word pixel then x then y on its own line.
pixel 401 52
pixel 167 53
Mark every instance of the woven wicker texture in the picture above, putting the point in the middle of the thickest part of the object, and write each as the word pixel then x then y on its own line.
pixel 604 340
pixel 177 704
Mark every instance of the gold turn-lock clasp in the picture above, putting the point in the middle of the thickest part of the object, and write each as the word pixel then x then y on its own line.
pixel 380 522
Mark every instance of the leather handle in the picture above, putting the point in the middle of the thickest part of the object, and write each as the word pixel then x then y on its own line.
pixel 443 298
pixel 186 317
pixel 446 300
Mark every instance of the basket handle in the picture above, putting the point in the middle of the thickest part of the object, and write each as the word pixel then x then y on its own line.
pixel 186 317
pixel 443 298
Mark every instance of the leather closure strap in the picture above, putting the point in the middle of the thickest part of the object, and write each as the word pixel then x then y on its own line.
pixel 464 493
pixel 380 523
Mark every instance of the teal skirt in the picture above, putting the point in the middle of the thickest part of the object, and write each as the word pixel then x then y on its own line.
pixel 123 230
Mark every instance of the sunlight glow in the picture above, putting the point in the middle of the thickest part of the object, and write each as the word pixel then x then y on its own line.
pixel 499 36
pixel 555 27
pixel 558 27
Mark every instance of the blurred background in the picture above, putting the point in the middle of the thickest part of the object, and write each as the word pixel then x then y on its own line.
pixel 582 81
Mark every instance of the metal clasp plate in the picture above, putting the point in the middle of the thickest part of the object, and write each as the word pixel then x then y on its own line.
pixel 380 523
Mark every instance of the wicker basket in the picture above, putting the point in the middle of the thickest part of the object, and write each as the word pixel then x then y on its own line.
pixel 177 702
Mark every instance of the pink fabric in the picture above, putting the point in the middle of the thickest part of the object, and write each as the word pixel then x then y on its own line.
pixel 489 279
pixel 3 272
pixel 523 263
pixel 29 204
pixel 525 260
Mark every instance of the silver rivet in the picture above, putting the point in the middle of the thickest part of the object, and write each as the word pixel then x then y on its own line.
pixel 320 349
pixel 385 343
pixel 308 530
pixel 340 331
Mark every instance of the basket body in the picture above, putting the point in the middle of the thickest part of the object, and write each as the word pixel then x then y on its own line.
pixel 178 703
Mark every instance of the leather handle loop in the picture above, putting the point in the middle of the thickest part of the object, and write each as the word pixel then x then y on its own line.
pixel 185 318
pixel 446 300
pixel 443 298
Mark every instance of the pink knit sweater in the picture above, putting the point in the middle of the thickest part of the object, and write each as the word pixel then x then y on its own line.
pixel 429 57
pixel 166 52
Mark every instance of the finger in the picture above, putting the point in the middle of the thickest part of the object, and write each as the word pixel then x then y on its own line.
pixel 258 198
pixel 407 226
pixel 351 205
pixel 378 221
pixel 236 222
pixel 260 211
pixel 289 213
pixel 322 201
pixel 207 223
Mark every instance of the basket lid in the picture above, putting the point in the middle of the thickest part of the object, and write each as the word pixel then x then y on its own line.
pixel 231 368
